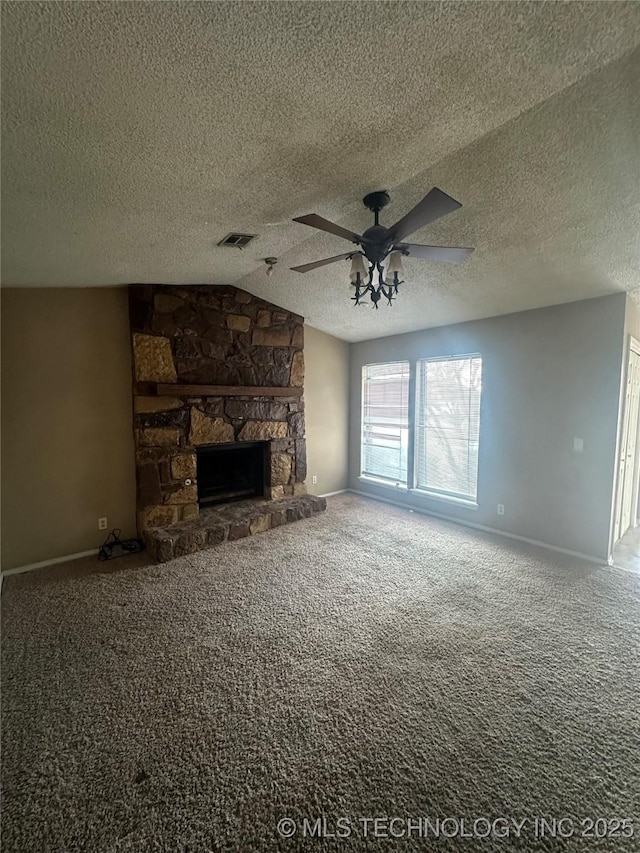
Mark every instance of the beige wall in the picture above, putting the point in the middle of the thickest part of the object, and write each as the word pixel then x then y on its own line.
pixel 549 375
pixel 67 445
pixel 326 394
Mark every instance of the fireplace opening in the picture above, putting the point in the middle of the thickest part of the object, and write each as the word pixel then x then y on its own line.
pixel 231 472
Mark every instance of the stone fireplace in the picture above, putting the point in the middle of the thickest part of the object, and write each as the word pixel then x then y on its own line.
pixel 218 379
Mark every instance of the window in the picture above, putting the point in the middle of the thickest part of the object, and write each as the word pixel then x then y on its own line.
pixel 385 421
pixel 448 425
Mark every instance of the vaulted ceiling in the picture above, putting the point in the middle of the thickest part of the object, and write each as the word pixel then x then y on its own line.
pixel 136 135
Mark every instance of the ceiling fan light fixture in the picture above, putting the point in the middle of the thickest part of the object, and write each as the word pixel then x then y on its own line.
pixel 357 269
pixel 394 271
pixel 394 263
pixel 383 247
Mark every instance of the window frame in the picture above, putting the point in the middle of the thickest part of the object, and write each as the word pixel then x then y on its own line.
pixel 374 478
pixel 412 487
pixel 442 494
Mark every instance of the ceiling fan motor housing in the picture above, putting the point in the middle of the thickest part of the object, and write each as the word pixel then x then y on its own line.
pixel 377 242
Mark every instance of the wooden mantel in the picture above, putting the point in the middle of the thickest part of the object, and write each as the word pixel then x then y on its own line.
pixel 159 389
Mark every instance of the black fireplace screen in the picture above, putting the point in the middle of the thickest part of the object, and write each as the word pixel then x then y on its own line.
pixel 231 472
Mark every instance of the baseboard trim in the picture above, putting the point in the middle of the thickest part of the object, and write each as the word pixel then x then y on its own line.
pixel 588 557
pixel 20 569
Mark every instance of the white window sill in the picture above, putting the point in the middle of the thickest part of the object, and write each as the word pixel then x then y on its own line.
pixel 400 487
pixel 423 493
pixel 435 496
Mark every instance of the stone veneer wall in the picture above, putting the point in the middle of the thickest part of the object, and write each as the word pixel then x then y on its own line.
pixel 211 335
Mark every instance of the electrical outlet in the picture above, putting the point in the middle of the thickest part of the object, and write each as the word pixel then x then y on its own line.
pixel 102 523
pixel 314 479
pixel 500 509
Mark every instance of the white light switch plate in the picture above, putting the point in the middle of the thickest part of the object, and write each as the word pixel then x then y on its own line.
pixel 578 445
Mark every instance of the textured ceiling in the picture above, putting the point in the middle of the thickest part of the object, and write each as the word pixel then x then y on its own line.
pixel 136 135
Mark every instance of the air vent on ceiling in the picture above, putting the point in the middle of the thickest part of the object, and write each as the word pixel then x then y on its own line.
pixel 237 241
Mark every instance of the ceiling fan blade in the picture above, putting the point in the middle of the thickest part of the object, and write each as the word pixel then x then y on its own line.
pixel 323 224
pixel 315 264
pixel 434 205
pixel 448 254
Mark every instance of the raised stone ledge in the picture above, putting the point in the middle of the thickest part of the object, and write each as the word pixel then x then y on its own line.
pixel 227 523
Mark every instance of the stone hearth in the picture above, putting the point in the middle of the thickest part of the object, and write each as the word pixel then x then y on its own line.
pixel 227 523
pixel 213 365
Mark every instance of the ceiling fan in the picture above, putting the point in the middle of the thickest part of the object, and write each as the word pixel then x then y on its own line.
pixel 379 244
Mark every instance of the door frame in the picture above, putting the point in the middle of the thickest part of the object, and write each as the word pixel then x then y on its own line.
pixel 632 348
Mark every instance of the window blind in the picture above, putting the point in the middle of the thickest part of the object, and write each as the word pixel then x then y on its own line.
pixel 448 425
pixel 385 421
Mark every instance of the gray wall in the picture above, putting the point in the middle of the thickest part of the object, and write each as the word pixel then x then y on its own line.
pixel 549 375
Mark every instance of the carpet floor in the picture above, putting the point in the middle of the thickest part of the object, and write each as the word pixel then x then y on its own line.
pixel 366 664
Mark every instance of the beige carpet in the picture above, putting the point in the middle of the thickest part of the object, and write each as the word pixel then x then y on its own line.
pixel 366 663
